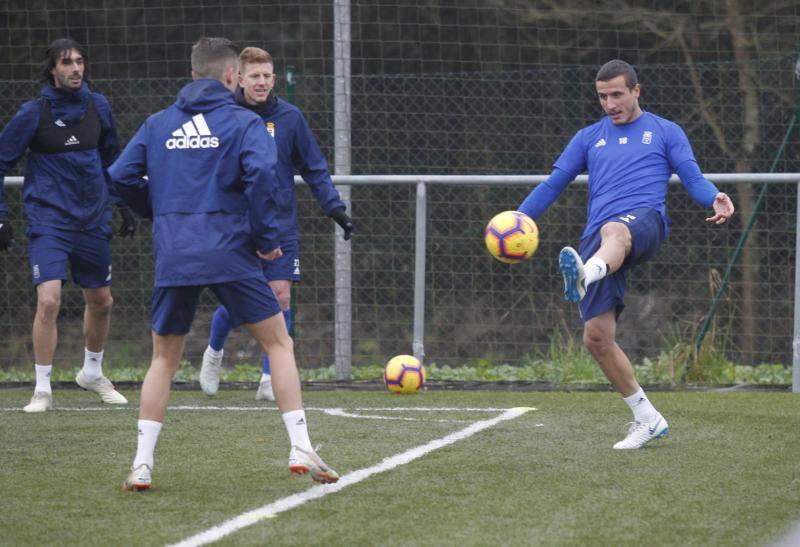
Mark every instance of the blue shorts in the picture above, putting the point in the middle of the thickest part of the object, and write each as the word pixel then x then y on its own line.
pixel 647 232
pixel 285 268
pixel 88 255
pixel 247 301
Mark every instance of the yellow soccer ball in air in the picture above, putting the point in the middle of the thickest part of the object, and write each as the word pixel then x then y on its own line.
pixel 511 237
pixel 404 374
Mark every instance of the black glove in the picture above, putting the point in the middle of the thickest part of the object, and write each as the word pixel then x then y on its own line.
pixel 128 227
pixel 341 218
pixel 6 235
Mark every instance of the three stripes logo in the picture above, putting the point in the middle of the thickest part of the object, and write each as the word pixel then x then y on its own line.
pixel 71 141
pixel 193 134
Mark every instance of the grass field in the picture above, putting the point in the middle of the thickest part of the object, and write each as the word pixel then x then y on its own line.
pixel 727 475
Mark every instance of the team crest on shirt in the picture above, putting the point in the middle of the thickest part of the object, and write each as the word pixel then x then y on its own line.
pixel 647 137
pixel 623 140
pixel 271 129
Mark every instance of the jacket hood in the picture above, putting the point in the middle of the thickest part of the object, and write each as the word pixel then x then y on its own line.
pixel 263 109
pixel 203 96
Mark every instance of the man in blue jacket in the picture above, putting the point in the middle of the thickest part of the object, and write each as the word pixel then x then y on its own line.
pixel 72 140
pixel 210 190
pixel 297 152
pixel 630 155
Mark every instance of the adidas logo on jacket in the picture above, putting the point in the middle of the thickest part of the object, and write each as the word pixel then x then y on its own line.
pixel 193 134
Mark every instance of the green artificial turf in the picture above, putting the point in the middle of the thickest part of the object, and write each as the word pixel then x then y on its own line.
pixel 727 475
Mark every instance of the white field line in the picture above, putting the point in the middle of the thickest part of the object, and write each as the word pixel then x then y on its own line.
pixel 341 412
pixel 285 504
pixel 107 408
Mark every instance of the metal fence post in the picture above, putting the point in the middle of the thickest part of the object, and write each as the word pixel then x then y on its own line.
pixel 796 339
pixel 418 346
pixel 341 120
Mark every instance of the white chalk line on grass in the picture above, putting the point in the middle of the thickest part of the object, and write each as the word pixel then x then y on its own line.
pixel 285 504
pixel 107 408
pixel 341 412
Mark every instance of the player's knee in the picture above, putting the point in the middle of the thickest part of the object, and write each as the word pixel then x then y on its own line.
pixel 285 300
pixel 596 340
pixel 47 306
pixel 617 232
pixel 280 340
pixel 100 304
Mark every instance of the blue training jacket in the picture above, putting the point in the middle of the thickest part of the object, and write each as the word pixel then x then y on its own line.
pixel 69 190
pixel 210 186
pixel 299 152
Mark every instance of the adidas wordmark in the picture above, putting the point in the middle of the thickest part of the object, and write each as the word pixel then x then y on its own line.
pixel 193 134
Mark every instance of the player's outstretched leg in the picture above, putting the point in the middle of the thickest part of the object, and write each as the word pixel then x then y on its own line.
pixel 571 266
pixel 275 340
pixel 212 357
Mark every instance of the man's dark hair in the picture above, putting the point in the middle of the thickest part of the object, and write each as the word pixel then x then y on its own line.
pixel 58 50
pixel 210 57
pixel 617 67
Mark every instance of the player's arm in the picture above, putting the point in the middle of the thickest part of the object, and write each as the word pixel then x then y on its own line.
pixel 128 175
pixel 258 157
pixel 541 197
pixel 108 148
pixel 569 164
pixel 309 161
pixel 14 141
pixel 703 191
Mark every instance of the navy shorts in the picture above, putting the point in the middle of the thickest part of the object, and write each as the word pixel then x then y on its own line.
pixel 285 268
pixel 647 232
pixel 88 254
pixel 247 301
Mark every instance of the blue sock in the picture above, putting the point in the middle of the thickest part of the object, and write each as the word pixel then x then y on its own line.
pixel 220 329
pixel 287 316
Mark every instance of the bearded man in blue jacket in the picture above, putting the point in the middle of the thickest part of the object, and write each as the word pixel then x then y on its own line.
pixel 299 152
pixel 72 139
pixel 210 190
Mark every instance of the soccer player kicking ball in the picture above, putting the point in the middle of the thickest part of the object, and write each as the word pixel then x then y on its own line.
pixel 297 151
pixel 630 155
pixel 210 189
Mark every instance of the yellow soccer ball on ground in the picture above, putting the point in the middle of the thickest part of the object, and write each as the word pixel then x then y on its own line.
pixel 404 374
pixel 511 237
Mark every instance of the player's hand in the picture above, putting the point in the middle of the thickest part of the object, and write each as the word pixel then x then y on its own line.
pixel 128 227
pixel 723 209
pixel 341 218
pixel 6 235
pixel 272 255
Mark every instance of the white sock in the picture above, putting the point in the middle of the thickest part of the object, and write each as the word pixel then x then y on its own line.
pixel 214 353
pixel 43 378
pixel 297 428
pixel 643 409
pixel 148 436
pixel 595 269
pixel 265 377
pixel 92 364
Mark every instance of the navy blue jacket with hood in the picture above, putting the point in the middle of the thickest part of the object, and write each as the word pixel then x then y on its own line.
pixel 69 190
pixel 298 152
pixel 210 186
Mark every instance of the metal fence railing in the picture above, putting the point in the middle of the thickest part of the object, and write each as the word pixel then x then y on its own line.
pixel 472 307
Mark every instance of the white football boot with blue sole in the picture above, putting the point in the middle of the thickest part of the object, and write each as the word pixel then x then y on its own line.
pixel 641 433
pixel 571 266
